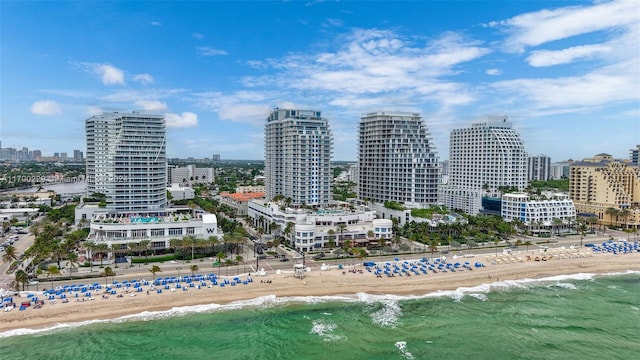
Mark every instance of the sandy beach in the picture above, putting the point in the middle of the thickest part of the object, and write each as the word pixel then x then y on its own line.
pixel 315 283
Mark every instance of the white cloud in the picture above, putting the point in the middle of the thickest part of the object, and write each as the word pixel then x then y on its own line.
pixel 151 105
pixel 371 62
pixel 107 73
pixel 543 58
pixel 208 51
pixel 250 107
pixel 156 23
pixel 198 35
pixel 45 107
pixel 137 95
pixel 110 74
pixel 144 79
pixel 606 86
pixel 493 72
pixel 94 110
pixel 184 120
pixel 540 27
pixel 332 23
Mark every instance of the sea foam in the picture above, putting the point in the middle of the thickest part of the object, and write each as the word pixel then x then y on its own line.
pixel 387 316
pixel 402 346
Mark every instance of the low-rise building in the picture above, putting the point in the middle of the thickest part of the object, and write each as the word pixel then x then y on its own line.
pixel 239 200
pixel 313 230
pixel 556 212
pixel 181 192
pixel 120 229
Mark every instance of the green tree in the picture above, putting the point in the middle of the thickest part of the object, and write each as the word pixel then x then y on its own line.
pixel 108 272
pixel 22 278
pixel 10 254
pixel 53 270
pixel 154 270
pixel 193 268
pixel 433 245
pixel 341 228
pixel 612 212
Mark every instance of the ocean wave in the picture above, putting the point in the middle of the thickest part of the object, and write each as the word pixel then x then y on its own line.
pixel 387 316
pixel 562 285
pixel 325 330
pixel 402 346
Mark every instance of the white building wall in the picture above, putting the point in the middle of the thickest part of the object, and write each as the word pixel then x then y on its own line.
pixel 541 212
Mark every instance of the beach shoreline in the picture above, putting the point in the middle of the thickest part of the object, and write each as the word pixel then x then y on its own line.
pixel 330 283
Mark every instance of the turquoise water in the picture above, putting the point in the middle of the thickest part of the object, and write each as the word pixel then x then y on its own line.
pixel 566 317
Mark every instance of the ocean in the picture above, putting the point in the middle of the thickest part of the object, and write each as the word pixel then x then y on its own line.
pixel 578 316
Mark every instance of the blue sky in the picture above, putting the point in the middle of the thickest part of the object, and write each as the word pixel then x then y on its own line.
pixel 567 73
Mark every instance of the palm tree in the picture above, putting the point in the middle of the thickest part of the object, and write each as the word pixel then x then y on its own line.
pixel 190 241
pixel 433 245
pixel 193 269
pixel 220 256
pixel 625 215
pixel 556 223
pixel 144 246
pixel 90 246
pixel 102 249
pixel 10 254
pixel 612 212
pixel 22 278
pixel 370 235
pixel 155 269
pixel 53 270
pixel 72 257
pixel 527 244
pixel 238 261
pixel 331 233
pixel 108 272
pixel 341 228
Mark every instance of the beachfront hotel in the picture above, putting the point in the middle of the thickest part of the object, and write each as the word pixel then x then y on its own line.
pixel 397 159
pixel 483 158
pixel 601 183
pixel 539 214
pixel 126 163
pixel 318 229
pixel 126 160
pixel 298 151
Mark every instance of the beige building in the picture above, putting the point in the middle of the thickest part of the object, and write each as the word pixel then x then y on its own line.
pixel 601 183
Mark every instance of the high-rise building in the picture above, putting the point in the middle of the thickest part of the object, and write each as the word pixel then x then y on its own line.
pixel 560 170
pixel 397 159
pixel 484 158
pixel 608 189
pixel 298 151
pixel 77 155
pixel 126 160
pixel 634 155
pixel 190 175
pixel 538 167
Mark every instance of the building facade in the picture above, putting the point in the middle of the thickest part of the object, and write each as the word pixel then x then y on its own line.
pixel 608 188
pixel 556 213
pixel 126 160
pixel 634 155
pixel 190 175
pixel 560 170
pixel 298 152
pixel 315 230
pixel 538 168
pixel 397 159
pixel 486 157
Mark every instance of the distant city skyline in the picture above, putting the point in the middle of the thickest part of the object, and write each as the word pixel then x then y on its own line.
pixel 564 72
